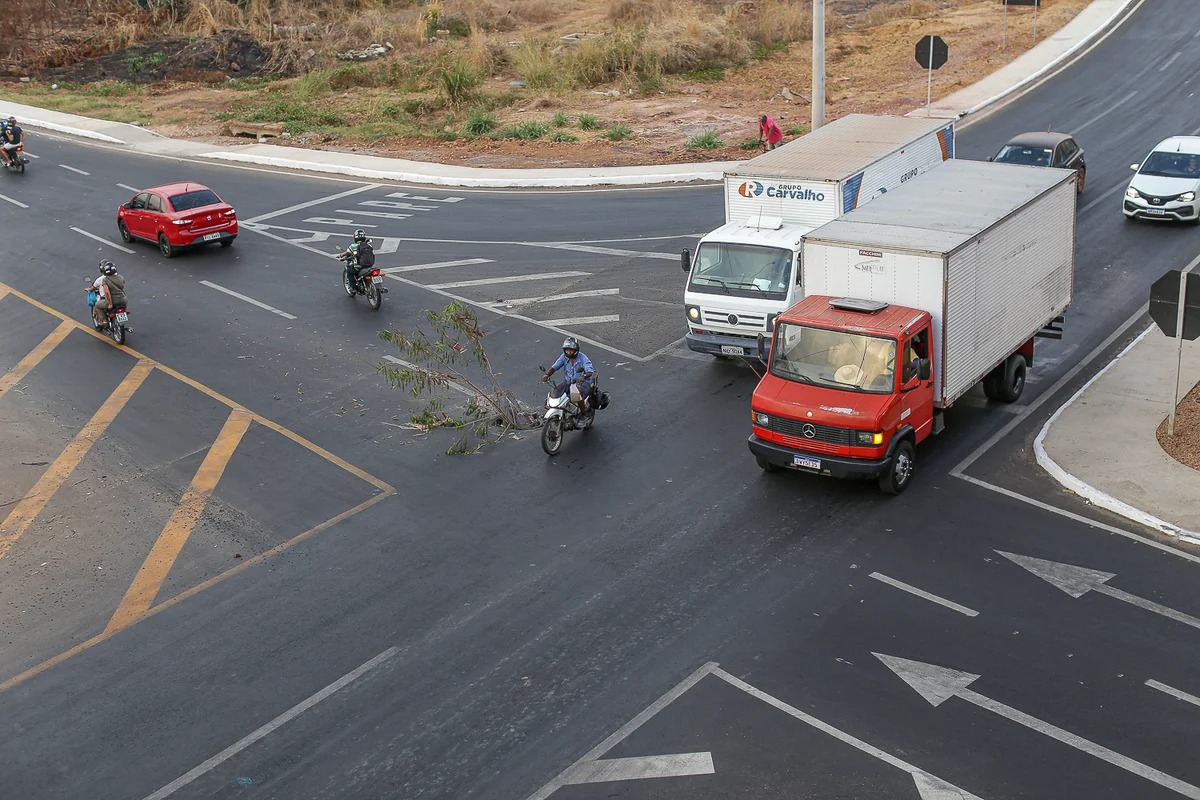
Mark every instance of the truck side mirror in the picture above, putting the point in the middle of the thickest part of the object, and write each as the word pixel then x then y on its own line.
pixel 923 369
pixel 762 348
pixel 989 158
pixel 685 259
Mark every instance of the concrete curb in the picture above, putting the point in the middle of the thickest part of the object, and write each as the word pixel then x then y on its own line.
pixel 69 130
pixel 1087 491
pixel 561 179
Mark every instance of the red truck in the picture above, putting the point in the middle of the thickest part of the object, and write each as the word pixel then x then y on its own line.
pixel 913 300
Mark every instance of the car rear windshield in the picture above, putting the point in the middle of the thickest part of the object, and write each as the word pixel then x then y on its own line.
pixel 1172 165
pixel 197 199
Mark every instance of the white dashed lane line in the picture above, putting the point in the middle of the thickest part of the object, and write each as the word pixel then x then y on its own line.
pixel 249 300
pixel 102 240
pixel 127 187
pixel 14 202
pixel 73 169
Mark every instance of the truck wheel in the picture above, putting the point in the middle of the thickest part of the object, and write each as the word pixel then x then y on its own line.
pixel 989 384
pixel 1010 387
pixel 896 479
pixel 764 465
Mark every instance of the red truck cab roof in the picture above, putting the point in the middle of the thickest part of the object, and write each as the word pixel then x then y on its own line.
pixel 851 314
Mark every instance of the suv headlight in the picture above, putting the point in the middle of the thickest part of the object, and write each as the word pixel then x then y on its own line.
pixel 1187 197
pixel 1132 193
pixel 869 438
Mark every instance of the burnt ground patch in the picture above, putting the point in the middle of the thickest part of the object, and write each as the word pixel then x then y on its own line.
pixel 212 58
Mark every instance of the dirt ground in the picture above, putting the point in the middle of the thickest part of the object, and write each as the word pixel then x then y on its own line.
pixel 870 70
pixel 1184 446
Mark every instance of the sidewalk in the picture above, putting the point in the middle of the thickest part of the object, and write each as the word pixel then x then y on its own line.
pixel 1101 445
pixel 1088 25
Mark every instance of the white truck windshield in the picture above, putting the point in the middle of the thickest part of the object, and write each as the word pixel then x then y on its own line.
pixel 837 359
pixel 742 269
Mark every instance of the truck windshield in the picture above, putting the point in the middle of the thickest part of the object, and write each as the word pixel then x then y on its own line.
pixel 838 359
pixel 742 269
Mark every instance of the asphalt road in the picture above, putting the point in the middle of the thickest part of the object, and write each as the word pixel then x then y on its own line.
pixel 412 624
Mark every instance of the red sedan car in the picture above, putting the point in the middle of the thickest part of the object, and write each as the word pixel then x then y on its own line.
pixel 178 216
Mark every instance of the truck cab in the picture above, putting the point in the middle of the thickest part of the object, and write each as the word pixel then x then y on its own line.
pixel 848 391
pixel 743 275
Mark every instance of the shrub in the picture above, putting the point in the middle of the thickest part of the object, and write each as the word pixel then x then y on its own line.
pixel 560 120
pixel 562 136
pixel 796 130
pixel 526 131
pixel 479 122
pixel 588 122
pixel 536 63
pixel 706 141
pixel 618 132
pixel 459 82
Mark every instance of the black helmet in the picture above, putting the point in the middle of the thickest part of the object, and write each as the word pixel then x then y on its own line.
pixel 570 344
pixel 360 235
pixel 107 267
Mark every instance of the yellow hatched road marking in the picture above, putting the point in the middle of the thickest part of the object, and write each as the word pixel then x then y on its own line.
pixel 53 478
pixel 179 527
pixel 26 364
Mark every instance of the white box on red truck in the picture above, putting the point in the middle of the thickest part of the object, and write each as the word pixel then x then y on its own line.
pixel 746 271
pixel 987 249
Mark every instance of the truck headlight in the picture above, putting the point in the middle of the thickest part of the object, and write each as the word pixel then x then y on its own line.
pixel 870 438
pixel 693 313
pixel 760 419
pixel 1132 193
pixel 1187 197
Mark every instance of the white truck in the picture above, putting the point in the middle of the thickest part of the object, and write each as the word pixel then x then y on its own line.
pixel 912 301
pixel 747 271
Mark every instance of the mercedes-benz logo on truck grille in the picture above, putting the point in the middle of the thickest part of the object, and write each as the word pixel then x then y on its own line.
pixel 733 319
pixel 809 430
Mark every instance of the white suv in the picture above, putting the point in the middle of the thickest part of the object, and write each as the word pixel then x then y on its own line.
pixel 1167 185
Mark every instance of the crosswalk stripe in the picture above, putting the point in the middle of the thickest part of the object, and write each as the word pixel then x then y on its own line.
pixel 541 276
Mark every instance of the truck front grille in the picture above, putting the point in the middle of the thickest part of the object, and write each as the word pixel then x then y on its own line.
pixel 807 434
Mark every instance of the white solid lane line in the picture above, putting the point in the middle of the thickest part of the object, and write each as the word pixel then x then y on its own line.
pixel 933 598
pixel 565 323
pixel 102 240
pixel 249 300
pixel 81 172
pixel 312 203
pixel 540 276
pixel 1105 112
pixel 606 251
pixel 550 298
pixel 128 187
pixel 273 725
pixel 14 202
pixel 1179 694
pixel 437 265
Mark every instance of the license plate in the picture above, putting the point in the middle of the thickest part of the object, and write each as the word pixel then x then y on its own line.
pixel 122 317
pixel 376 279
pixel 1158 211
pixel 804 462
pixel 209 237
pixel 731 350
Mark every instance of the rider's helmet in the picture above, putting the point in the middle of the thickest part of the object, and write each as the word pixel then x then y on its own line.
pixel 570 347
pixel 107 267
pixel 360 235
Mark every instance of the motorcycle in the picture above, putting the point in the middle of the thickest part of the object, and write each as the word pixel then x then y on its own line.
pixel 565 412
pixel 115 328
pixel 370 284
pixel 17 160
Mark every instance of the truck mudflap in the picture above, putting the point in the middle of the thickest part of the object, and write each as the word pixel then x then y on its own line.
pixel 782 457
pixel 717 345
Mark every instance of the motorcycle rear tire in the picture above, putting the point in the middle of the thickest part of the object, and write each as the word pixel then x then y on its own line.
pixel 20 165
pixel 552 435
pixel 118 333
pixel 374 298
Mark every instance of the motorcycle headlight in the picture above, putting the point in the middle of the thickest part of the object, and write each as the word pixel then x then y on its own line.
pixel 1132 193
pixel 1187 197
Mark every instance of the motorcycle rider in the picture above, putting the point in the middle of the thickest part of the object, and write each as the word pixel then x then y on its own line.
pixel 577 368
pixel 361 258
pixel 110 288
pixel 10 139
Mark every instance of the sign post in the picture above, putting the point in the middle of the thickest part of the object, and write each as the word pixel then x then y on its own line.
pixel 1175 308
pixel 931 54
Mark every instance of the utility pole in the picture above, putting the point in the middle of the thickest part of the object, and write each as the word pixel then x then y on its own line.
pixel 818 65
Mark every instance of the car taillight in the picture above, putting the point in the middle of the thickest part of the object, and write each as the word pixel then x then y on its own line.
pixel 231 213
pixel 182 221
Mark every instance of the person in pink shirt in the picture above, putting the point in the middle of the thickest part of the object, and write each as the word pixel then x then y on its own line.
pixel 769 132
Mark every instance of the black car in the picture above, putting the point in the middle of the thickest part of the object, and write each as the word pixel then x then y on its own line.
pixel 1045 149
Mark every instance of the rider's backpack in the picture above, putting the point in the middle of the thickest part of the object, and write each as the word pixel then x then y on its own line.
pixel 366 255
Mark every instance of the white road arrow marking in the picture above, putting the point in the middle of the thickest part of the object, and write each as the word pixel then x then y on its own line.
pixel 933 788
pixel 640 768
pixel 938 684
pixel 1078 581
pixel 426 199
pixel 313 236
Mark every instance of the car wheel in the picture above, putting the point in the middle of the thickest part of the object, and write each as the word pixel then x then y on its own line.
pixel 164 246
pixel 126 236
